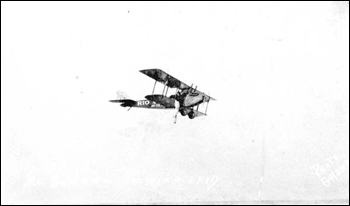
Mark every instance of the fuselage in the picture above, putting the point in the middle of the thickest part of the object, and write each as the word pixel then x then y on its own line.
pixel 149 104
pixel 162 100
pixel 192 99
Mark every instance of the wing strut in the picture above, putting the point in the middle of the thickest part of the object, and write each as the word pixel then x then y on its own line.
pixel 154 86
pixel 166 92
pixel 163 90
pixel 207 107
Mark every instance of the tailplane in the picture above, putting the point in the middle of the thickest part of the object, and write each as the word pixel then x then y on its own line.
pixel 124 102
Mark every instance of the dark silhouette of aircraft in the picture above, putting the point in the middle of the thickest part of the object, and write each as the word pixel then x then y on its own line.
pixel 185 100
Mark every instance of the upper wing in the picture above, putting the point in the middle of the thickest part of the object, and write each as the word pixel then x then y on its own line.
pixel 170 81
pixel 164 78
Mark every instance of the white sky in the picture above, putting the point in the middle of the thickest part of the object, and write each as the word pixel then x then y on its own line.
pixel 280 72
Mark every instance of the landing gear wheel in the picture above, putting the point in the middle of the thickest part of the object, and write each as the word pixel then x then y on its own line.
pixel 191 115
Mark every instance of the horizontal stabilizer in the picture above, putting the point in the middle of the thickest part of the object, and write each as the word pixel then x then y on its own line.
pixel 125 102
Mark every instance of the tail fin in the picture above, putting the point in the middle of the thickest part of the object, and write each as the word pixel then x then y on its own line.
pixel 121 95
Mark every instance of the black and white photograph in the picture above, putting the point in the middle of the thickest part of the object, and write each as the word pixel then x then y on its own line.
pixel 174 103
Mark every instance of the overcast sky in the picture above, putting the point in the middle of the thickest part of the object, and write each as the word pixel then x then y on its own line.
pixel 279 130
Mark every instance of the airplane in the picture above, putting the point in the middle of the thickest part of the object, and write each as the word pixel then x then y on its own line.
pixel 185 99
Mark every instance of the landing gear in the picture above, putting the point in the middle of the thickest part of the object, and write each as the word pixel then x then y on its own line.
pixel 191 115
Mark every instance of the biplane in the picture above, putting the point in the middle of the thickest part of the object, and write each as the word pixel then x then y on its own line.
pixel 186 99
